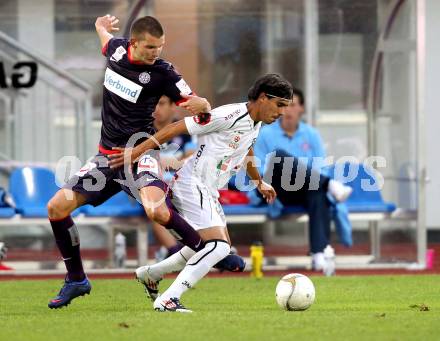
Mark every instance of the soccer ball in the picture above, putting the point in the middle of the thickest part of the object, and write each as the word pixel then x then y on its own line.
pixel 295 292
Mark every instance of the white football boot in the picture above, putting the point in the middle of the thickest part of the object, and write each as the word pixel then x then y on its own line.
pixel 150 283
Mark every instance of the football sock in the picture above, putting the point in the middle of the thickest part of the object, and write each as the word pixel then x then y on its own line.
pixel 183 231
pixel 67 239
pixel 197 267
pixel 173 249
pixel 173 263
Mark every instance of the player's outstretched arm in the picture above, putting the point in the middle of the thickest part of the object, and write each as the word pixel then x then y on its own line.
pixel 130 155
pixel 104 26
pixel 266 190
pixel 195 104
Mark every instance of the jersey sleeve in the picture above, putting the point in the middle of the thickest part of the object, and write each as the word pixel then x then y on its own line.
pixel 115 47
pixel 108 47
pixel 176 85
pixel 205 123
pixel 105 49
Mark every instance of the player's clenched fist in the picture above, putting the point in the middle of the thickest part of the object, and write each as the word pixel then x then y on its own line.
pixel 194 104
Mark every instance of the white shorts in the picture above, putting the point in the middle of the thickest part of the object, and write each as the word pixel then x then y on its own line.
pixel 197 205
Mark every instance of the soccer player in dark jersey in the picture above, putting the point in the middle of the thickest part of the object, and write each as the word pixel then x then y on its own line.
pixel 135 79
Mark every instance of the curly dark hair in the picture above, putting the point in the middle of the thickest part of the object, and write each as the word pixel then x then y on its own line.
pixel 272 84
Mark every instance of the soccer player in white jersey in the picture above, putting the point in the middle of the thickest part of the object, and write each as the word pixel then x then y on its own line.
pixel 225 139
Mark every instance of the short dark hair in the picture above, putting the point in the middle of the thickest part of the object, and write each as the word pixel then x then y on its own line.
pixel 298 93
pixel 146 24
pixel 272 84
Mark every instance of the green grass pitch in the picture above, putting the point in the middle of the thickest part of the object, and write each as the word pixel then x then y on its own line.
pixel 238 308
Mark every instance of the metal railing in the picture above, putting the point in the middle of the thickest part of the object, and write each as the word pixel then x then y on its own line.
pixel 50 119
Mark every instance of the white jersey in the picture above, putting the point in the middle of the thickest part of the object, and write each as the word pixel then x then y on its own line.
pixel 224 137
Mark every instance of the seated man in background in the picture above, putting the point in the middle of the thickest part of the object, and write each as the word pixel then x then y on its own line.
pixel 290 139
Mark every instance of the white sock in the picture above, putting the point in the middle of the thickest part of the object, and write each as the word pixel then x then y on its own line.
pixel 173 263
pixel 318 261
pixel 197 267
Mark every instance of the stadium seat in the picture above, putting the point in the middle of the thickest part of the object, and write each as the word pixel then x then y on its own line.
pixel 6 212
pixel 366 196
pixel 244 209
pixel 31 189
pixel 293 210
pixel 119 205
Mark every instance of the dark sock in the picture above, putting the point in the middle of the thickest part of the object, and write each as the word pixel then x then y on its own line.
pixel 233 263
pixel 67 239
pixel 183 231
pixel 173 249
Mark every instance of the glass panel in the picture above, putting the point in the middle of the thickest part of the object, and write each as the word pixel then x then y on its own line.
pixel 241 40
pixel 77 46
pixel 395 133
pixel 348 37
pixel 347 34
pixel 221 46
pixel 347 40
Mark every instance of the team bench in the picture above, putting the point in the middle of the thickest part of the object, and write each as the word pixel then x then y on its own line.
pixel 32 187
pixel 364 204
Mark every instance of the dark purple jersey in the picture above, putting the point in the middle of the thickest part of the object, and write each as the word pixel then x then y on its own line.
pixel 131 92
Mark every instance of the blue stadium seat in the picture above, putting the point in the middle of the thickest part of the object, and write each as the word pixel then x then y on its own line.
pixel 31 189
pixel 366 196
pixel 244 209
pixel 6 212
pixel 119 205
pixel 294 210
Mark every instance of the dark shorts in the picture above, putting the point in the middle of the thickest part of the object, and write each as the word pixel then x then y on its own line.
pixel 98 182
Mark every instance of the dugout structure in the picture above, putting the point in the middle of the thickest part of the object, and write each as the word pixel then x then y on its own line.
pixel 360 62
pixel 381 108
